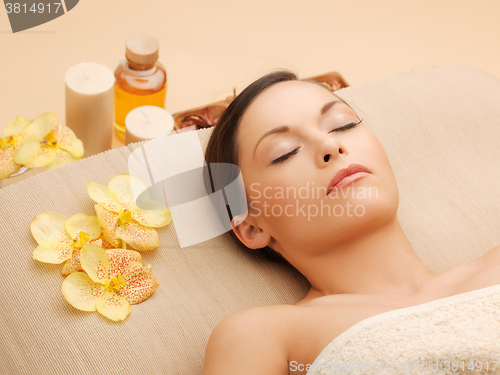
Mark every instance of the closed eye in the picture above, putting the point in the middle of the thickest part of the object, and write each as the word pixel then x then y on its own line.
pixel 346 127
pixel 282 158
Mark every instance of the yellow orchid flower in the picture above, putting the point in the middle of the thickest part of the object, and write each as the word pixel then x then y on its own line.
pixel 68 148
pixel 17 130
pixel 74 264
pixel 114 280
pixel 59 147
pixel 121 220
pixel 61 239
pixel 42 142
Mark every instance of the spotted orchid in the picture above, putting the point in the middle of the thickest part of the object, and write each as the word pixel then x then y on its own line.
pixel 60 239
pixel 42 142
pixel 113 280
pixel 121 220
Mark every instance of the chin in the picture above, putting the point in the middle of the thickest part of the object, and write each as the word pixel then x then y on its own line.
pixel 378 213
pixel 369 215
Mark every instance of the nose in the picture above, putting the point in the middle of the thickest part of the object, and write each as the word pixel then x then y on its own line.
pixel 329 150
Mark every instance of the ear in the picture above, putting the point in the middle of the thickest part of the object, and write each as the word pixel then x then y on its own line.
pixel 249 233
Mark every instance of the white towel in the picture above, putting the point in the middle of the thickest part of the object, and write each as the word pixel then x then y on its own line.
pixel 459 334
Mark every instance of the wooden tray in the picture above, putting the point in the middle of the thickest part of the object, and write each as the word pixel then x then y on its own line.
pixel 207 116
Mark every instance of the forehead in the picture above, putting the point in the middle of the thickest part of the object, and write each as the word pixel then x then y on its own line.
pixel 286 103
pixel 291 103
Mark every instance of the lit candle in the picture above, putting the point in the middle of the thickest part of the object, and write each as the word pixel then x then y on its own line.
pixel 147 122
pixel 89 105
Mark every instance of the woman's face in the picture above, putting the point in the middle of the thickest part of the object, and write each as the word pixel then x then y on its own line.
pixel 292 140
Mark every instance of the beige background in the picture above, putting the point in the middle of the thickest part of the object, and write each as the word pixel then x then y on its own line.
pixel 210 46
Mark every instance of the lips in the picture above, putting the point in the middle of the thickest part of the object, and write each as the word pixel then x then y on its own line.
pixel 346 176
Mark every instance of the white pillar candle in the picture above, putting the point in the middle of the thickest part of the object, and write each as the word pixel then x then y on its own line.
pixel 89 105
pixel 147 122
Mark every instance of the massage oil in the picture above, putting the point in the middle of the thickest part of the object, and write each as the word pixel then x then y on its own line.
pixel 139 80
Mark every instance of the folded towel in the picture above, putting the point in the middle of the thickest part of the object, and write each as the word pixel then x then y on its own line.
pixel 459 334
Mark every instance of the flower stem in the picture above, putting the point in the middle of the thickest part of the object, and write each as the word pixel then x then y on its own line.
pixel 124 245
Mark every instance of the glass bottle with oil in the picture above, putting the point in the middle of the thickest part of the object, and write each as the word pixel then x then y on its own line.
pixel 140 79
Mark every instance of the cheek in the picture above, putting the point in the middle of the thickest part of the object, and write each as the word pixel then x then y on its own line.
pixel 384 180
pixel 373 153
pixel 272 192
pixel 274 200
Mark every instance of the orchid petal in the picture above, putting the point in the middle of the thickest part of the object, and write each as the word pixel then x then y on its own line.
pixel 27 150
pixel 108 222
pixel 147 203
pixel 40 127
pixel 44 157
pixel 61 158
pixel 52 252
pixel 7 164
pixel 95 262
pixel 152 218
pixel 73 264
pixel 101 195
pixel 120 259
pixel 106 245
pixel 68 141
pixel 49 226
pixel 97 242
pixel 16 126
pixel 141 283
pixel 81 292
pixel 123 187
pixel 138 236
pixel 113 307
pixel 83 223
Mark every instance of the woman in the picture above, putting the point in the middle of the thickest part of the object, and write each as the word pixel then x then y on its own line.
pixel 342 233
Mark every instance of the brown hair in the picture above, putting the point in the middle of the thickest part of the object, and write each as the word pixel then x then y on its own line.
pixel 222 146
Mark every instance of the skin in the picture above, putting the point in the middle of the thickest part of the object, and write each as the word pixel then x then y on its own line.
pixel 358 265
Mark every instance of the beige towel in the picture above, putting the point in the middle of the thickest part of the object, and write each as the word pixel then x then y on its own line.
pixel 454 335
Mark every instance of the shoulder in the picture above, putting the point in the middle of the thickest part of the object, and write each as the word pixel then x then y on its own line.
pixel 479 273
pixel 249 342
pixel 488 262
pixel 492 257
pixel 487 267
pixel 249 325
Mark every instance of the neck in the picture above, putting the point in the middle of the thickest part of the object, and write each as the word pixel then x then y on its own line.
pixel 381 262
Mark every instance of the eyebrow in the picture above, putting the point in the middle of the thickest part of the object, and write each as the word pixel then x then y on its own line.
pixel 285 128
pixel 327 106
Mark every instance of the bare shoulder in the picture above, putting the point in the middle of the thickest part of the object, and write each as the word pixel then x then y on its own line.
pixel 492 257
pixel 249 342
pixel 480 273
pixel 490 261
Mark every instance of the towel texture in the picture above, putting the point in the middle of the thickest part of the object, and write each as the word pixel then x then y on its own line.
pixel 454 335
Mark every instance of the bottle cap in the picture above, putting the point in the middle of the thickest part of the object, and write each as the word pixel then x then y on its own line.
pixel 142 50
